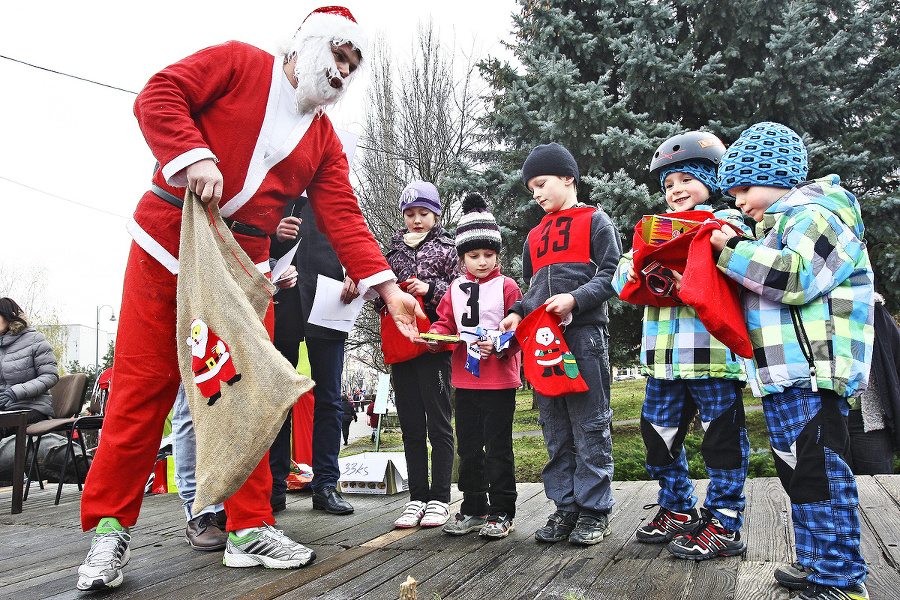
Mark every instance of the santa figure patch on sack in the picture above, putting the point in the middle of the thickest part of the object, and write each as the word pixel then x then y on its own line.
pixel 210 361
pixel 549 365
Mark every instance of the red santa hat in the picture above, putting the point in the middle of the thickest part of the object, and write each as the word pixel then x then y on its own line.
pixel 335 23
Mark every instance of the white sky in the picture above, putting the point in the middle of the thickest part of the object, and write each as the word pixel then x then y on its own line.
pixel 80 141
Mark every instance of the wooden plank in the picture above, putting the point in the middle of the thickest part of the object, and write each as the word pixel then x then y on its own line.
pixel 755 579
pixel 42 547
pixel 877 518
pixel 768 530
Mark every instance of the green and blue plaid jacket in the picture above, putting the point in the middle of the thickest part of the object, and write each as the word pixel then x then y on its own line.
pixel 808 297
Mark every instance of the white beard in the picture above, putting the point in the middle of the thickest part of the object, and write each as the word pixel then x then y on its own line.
pixel 314 69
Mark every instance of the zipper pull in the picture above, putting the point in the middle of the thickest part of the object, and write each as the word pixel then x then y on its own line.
pixel 812 379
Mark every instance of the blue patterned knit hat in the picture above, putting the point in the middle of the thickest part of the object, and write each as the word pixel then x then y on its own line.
pixel 702 171
pixel 769 154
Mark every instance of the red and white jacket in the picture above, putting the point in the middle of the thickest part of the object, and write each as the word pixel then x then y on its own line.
pixel 462 310
pixel 222 103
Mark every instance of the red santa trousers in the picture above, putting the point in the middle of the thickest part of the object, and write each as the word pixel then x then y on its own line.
pixel 144 383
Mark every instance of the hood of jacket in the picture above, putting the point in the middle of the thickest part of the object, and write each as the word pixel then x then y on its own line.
pixel 828 193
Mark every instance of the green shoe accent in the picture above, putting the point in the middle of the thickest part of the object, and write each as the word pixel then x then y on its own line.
pixel 108 524
pixel 243 540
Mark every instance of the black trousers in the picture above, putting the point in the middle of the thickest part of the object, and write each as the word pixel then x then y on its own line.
pixel 422 396
pixel 487 471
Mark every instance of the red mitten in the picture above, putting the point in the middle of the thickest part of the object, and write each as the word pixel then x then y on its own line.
pixel 714 295
pixel 549 366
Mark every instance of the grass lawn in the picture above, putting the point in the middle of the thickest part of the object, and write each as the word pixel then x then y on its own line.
pixel 628 447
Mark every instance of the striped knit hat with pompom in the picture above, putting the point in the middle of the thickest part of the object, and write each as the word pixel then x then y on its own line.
pixel 768 154
pixel 477 229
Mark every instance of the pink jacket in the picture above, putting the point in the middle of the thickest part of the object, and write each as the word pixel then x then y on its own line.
pixel 461 309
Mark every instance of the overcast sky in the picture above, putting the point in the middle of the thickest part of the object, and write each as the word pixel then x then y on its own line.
pixel 73 163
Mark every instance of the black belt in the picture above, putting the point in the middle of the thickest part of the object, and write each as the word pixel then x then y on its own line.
pixel 235 226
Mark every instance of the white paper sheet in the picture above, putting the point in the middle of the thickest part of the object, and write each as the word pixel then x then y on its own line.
pixel 284 262
pixel 328 310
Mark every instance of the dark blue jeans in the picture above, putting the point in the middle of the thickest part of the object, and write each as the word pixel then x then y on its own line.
pixel 326 358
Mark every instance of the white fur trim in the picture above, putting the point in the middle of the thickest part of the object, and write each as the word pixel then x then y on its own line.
pixel 365 285
pixel 173 170
pixel 334 27
pixel 259 162
pixel 152 247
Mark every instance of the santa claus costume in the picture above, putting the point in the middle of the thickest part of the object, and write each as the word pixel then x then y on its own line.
pixel 235 104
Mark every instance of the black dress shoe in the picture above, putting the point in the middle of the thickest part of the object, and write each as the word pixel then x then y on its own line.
pixel 279 502
pixel 329 500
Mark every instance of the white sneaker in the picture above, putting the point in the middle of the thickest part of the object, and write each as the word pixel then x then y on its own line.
pixel 102 568
pixel 411 516
pixel 268 547
pixel 436 514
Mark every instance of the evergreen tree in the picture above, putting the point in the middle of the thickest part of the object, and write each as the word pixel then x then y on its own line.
pixel 611 80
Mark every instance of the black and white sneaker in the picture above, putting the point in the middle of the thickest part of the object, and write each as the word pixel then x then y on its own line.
pixel 667 525
pixel 817 591
pixel 102 568
pixel 709 540
pixel 268 547
pixel 559 525
pixel 497 526
pixel 590 529
pixel 792 576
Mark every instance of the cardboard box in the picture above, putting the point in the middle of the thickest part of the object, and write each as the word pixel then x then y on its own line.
pixel 373 473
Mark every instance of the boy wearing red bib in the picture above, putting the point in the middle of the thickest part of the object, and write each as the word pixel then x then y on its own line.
pixel 570 259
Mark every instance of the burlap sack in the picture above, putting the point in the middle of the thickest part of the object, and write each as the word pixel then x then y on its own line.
pixel 239 393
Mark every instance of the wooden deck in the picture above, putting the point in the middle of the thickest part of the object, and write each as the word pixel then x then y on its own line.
pixel 362 556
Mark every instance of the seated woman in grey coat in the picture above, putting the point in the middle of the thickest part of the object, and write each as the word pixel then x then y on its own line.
pixel 27 366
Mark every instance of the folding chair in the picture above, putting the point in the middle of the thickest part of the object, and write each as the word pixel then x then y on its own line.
pixel 68 396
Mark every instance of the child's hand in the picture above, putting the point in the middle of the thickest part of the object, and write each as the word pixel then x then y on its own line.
pixel 416 287
pixel 510 322
pixel 560 304
pixel 718 238
pixel 486 347
pixel 632 275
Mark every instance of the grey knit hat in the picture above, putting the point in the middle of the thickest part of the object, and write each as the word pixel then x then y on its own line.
pixel 421 193
pixel 477 228
pixel 769 154
pixel 550 159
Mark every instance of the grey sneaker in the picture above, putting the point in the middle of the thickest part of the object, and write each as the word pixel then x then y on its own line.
pixel 792 576
pixel 497 526
pixel 268 547
pixel 463 524
pixel 590 529
pixel 102 568
pixel 558 527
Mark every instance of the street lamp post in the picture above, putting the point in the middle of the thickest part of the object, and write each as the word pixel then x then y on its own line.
pixel 112 318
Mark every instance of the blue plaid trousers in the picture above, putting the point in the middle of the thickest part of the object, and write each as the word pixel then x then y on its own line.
pixel 809 442
pixel 669 407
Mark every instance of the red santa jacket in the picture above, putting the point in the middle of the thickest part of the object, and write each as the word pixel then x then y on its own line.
pixel 222 100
